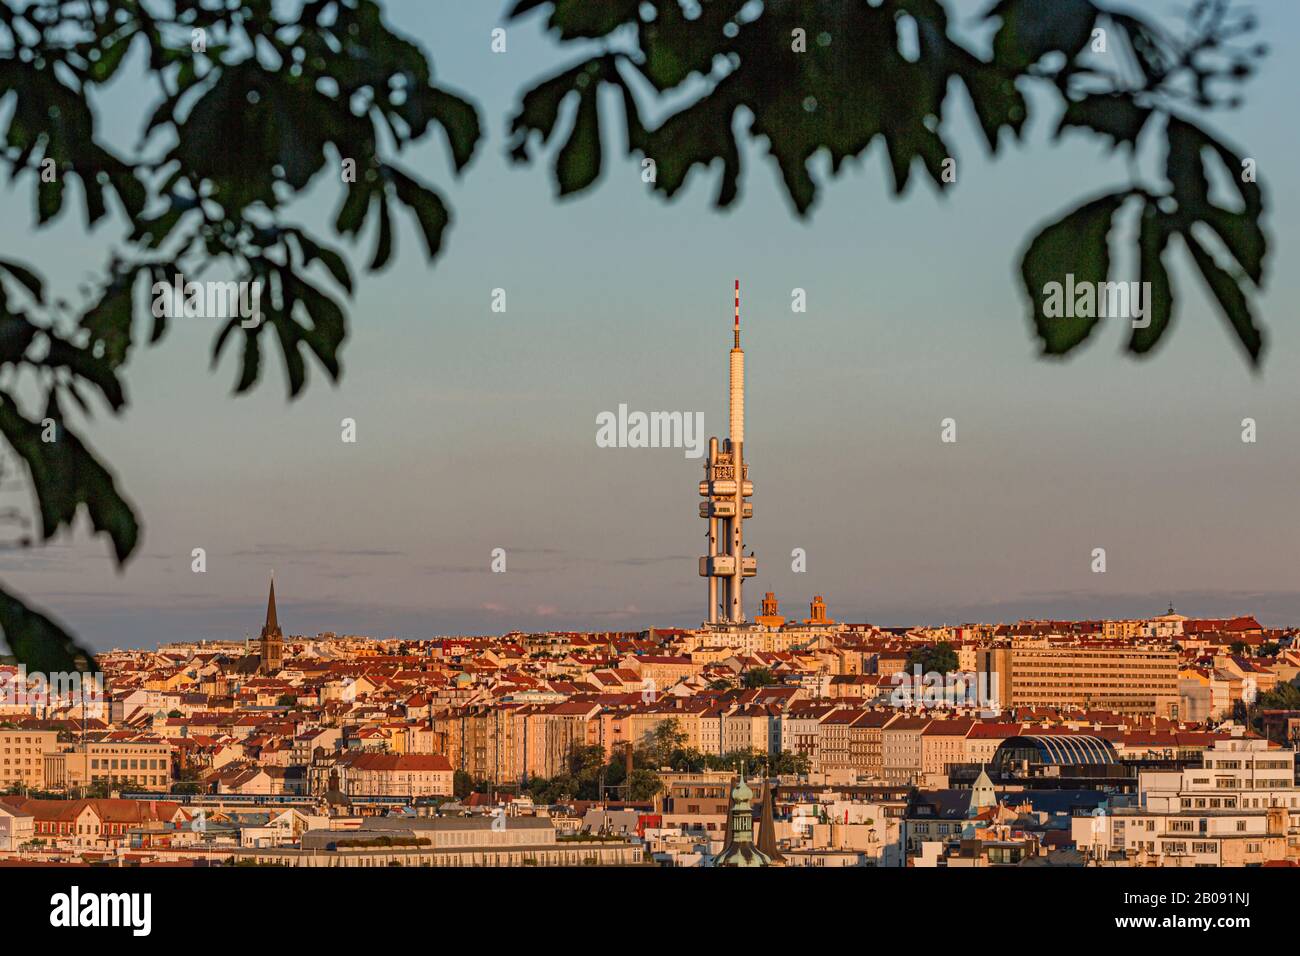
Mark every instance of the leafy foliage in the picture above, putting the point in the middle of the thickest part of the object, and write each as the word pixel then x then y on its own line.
pixel 938 658
pixel 253 105
pixel 831 78
pixel 663 747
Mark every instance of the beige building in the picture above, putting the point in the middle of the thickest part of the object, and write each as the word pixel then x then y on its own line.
pixel 833 752
pixel 695 801
pixel 22 757
pixel 546 734
pixel 1126 679
pixel 902 749
pixel 1122 630
pixel 943 745
pixel 127 765
pixel 395 775
pixel 866 735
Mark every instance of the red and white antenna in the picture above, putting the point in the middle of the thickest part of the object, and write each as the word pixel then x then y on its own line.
pixel 736 327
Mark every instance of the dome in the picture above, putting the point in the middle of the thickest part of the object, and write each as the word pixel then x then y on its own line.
pixel 1038 750
pixel 742 793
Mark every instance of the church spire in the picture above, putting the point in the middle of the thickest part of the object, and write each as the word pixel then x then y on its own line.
pixel 272 640
pixel 767 822
pixel 271 623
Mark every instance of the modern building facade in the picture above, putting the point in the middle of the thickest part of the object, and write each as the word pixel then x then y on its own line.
pixel 1125 679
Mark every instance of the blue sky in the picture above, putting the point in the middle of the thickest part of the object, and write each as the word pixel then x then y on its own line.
pixel 476 429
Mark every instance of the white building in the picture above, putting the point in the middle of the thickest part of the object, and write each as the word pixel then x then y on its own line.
pixel 1240 807
pixel 16 828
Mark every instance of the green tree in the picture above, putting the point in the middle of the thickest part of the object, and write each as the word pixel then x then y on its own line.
pixel 462 784
pixel 645 784
pixel 757 677
pixel 939 658
pixel 254 101
pixel 784 762
pixel 660 744
pixel 1285 696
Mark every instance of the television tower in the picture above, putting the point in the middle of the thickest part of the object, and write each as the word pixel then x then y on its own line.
pixel 725 487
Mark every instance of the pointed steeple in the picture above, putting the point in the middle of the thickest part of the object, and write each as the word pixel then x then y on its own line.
pixel 272 639
pixel 272 625
pixel 767 823
pixel 982 795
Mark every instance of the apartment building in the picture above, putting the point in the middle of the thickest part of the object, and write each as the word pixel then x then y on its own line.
pixel 695 801
pixel 943 745
pixel 1125 679
pixel 832 753
pixel 901 748
pixel 396 775
pixel 1241 807
pixel 866 735
pixel 751 727
pixel 22 757
pixel 131 765
pixel 799 728
pixel 549 732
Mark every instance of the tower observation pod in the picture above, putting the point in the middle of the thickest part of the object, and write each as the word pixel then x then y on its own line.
pixel 725 487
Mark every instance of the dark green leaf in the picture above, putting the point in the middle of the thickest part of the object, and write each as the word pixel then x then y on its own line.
pixel 66 476
pixel 49 199
pixel 111 55
pixel 576 19
pixel 384 240
pixel 28 279
pixel 998 104
pixel 39 642
pixel 1241 232
pixel 459 120
pixel 540 107
pixel 1153 238
pixel 16 336
pixel 430 212
pixel 251 365
pixel 1073 246
pixel 1231 298
pixel 329 325
pixel 109 321
pixel 83 363
pixel 578 164
pixel 1115 116
pixel 1185 168
pixel 1031 29
pixel 356 205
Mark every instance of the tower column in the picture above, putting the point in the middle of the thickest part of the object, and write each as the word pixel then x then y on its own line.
pixel 725 488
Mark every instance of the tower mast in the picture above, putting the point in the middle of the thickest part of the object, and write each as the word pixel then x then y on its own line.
pixel 726 486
